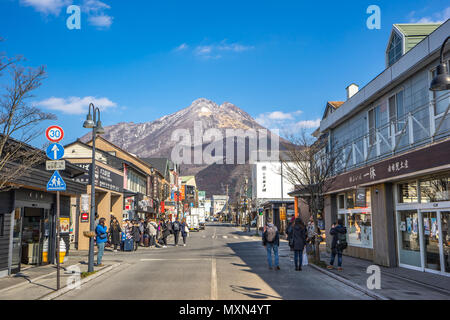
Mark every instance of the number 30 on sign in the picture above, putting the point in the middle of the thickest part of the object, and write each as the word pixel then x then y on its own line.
pixel 54 133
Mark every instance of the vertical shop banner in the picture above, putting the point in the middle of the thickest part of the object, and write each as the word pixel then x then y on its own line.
pixel 64 224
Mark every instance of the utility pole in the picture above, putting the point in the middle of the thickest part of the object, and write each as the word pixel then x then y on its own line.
pixel 226 208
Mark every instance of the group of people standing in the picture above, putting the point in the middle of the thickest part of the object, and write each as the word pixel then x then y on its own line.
pixel 300 236
pixel 135 233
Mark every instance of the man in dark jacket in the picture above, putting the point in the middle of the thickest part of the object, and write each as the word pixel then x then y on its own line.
pixel 176 228
pixel 271 241
pixel 338 231
pixel 297 241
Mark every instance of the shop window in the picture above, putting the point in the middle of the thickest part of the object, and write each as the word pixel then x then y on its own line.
pixel 359 229
pixel 407 192
pixel 341 201
pixel 435 190
pixel 350 199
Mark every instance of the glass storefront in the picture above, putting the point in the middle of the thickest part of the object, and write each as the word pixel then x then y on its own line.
pixel 354 208
pixel 423 212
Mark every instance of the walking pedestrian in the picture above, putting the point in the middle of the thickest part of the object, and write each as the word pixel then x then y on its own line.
pixel 311 236
pixel 102 237
pixel 184 231
pixel 176 227
pixel 141 231
pixel 271 241
pixel 152 229
pixel 297 242
pixel 289 234
pixel 165 233
pixel 136 234
pixel 338 244
pixel 114 232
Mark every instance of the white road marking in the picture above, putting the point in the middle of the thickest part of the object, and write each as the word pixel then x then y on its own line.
pixel 186 259
pixel 225 237
pixel 213 279
pixel 246 237
pixel 236 237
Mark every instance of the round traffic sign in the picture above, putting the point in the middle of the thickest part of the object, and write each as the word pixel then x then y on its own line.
pixel 54 133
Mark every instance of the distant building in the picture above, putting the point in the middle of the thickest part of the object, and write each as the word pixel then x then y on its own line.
pixel 219 203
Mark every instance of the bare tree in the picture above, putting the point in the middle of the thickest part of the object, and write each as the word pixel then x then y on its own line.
pixel 19 121
pixel 309 166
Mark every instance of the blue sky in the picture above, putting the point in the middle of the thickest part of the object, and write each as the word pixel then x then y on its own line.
pixel 139 60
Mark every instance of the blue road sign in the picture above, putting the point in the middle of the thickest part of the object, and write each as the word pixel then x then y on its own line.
pixel 56 183
pixel 55 151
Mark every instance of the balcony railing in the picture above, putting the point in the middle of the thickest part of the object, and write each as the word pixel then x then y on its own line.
pixel 415 129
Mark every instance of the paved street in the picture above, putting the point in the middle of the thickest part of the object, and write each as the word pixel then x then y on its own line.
pixel 220 262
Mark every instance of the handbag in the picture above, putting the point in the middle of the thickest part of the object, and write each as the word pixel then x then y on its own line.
pixel 186 229
pixel 305 259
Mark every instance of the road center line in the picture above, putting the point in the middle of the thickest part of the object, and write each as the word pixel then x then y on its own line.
pixel 213 272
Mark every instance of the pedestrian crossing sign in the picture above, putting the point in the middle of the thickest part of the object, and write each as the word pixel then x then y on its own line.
pixel 56 183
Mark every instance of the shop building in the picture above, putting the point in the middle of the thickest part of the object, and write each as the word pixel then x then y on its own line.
pixel 392 140
pixel 140 182
pixel 28 216
pixel 109 191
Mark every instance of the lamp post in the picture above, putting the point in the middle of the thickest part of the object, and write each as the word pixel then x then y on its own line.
pixel 97 128
pixel 441 81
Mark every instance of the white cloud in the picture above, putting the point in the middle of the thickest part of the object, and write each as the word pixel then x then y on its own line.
pixel 308 124
pixel 90 6
pixel 285 121
pixel 182 47
pixel 101 21
pixel 47 6
pixel 437 17
pixel 97 17
pixel 215 50
pixel 75 105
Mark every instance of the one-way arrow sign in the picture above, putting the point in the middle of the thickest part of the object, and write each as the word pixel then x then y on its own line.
pixel 55 151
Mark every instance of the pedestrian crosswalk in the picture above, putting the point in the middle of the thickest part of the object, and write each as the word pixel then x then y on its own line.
pixel 235 237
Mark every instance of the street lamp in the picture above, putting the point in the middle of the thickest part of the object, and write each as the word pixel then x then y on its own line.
pixel 441 81
pixel 97 128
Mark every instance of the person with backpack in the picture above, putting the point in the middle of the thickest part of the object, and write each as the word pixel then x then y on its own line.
pixel 338 243
pixel 136 233
pixel 184 231
pixel 152 229
pixel 101 239
pixel 176 227
pixel 297 241
pixel 165 232
pixel 271 241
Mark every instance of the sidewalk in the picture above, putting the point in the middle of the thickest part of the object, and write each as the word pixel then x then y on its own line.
pixel 396 283
pixel 36 282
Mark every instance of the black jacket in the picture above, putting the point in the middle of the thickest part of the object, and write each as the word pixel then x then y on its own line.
pixel 276 241
pixel 298 237
pixel 115 234
pixel 334 232
pixel 136 233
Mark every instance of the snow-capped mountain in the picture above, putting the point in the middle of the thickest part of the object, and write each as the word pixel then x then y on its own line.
pixel 153 139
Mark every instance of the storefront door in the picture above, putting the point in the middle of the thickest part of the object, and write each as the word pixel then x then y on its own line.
pixel 430 236
pixel 424 239
pixel 445 227
pixel 17 241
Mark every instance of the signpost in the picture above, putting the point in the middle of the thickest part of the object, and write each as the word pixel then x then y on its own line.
pixel 56 183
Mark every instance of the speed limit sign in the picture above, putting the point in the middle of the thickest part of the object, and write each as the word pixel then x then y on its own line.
pixel 54 133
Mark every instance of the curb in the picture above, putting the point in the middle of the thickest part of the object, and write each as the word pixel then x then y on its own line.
pixel 366 291
pixel 66 289
pixel 15 286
